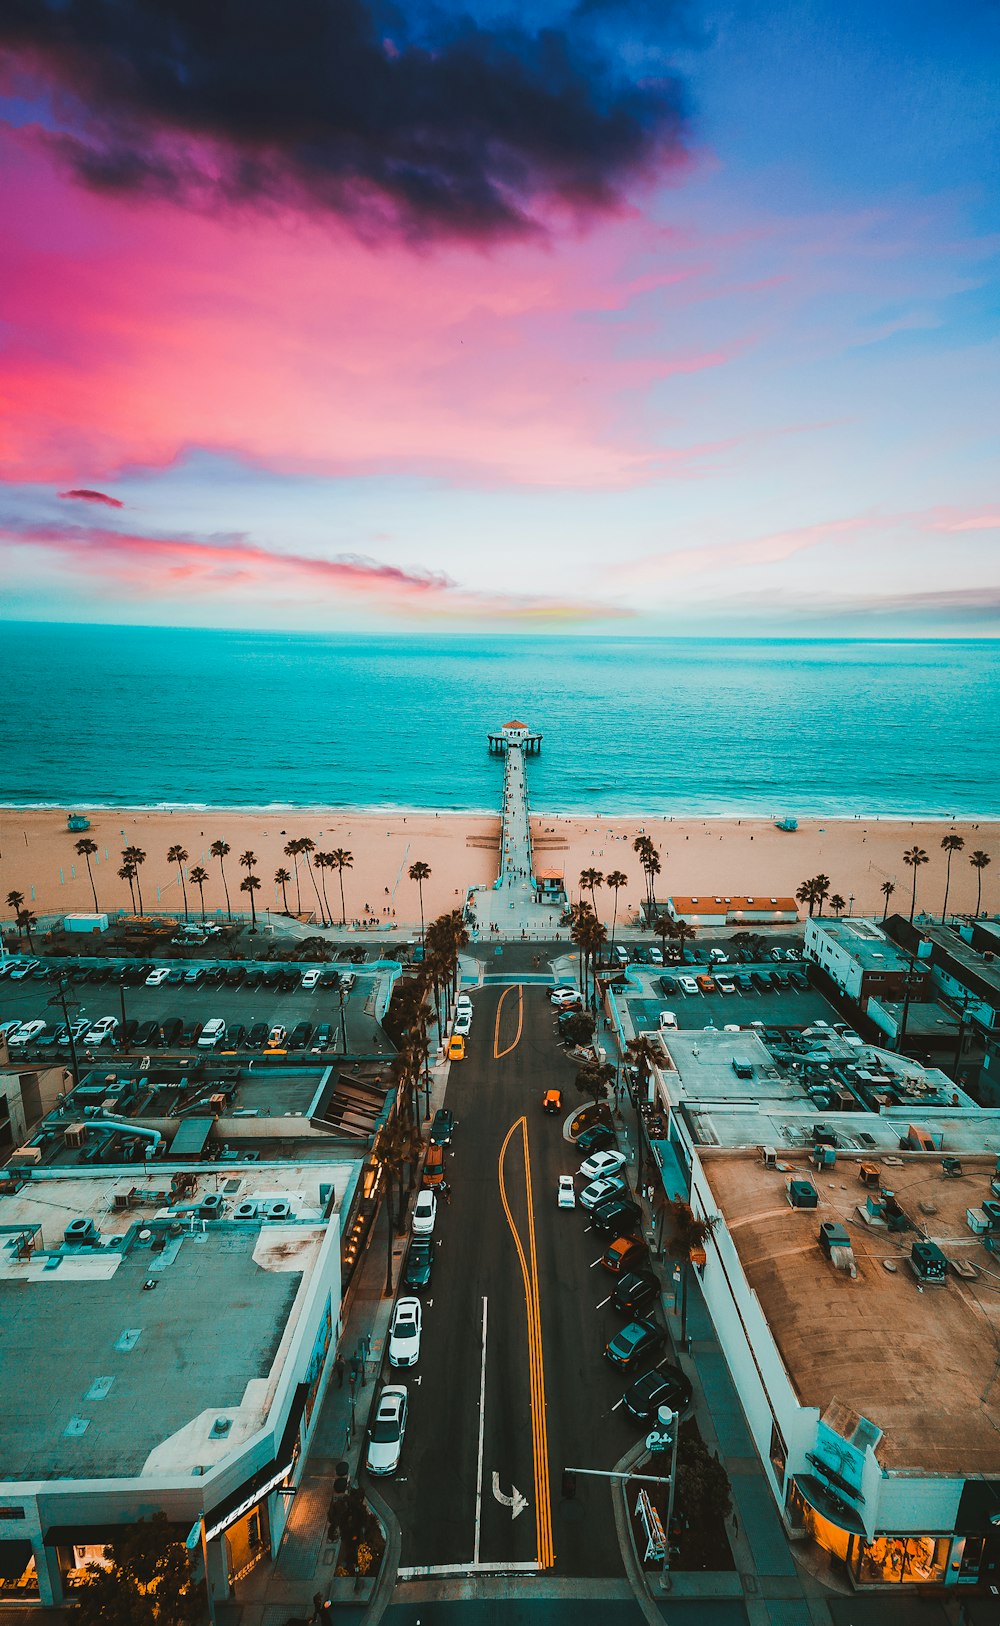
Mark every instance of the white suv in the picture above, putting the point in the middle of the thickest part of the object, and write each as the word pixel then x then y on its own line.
pixel 102 1032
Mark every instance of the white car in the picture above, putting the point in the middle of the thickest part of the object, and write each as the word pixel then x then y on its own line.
pixel 621 954
pixel 463 1003
pixel 599 1190
pixel 385 1433
pixel 725 984
pixel 600 1164
pixel 732 1027
pixel 563 998
pixel 718 956
pixel 404 1333
pixel 424 1213
pixel 24 969
pixel 276 1037
pixel 463 1023
pixel 566 1195
pixel 656 956
pixel 310 979
pixel 102 1032
pixel 25 1033
pixel 213 1033
pixel 161 974
pixel 666 1020
pixel 687 985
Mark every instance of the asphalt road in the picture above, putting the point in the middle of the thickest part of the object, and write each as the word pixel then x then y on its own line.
pixel 543 1330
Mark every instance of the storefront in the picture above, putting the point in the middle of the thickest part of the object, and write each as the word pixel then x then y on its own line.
pixel 18 1576
pixel 887 1558
pixel 251 1522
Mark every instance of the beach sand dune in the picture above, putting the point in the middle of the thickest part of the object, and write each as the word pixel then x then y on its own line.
pixel 699 857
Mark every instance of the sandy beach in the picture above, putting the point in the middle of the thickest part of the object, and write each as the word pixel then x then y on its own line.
pixel 701 857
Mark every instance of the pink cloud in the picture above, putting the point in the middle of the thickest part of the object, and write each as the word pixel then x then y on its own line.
pixel 227 565
pixel 83 495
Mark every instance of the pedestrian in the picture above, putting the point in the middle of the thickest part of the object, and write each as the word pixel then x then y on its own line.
pixel 340 1369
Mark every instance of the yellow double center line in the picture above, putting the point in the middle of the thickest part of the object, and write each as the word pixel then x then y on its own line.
pixel 498 1054
pixel 536 1364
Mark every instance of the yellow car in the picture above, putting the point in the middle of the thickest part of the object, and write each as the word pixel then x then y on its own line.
pixel 456 1048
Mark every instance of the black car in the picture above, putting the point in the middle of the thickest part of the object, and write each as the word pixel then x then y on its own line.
pixel 237 1037
pixel 271 977
pixel 300 1036
pixel 97 973
pixel 743 982
pixel 419 1264
pixel 289 980
pixel 635 1290
pixel 172 1029
pixel 761 980
pixel 147 1034
pixel 235 976
pixel 634 1343
pixel 252 978
pixel 191 1033
pixel 595 1139
pixel 443 1127
pixel 175 975
pixel 619 1217
pixel 126 1036
pixel 214 975
pixel 330 979
pixel 668 986
pixel 258 1035
pixel 321 1038
pixel 665 1385
pixel 799 980
pixel 781 979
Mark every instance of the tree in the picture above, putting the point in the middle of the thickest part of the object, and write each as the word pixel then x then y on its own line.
pixel 323 862
pixel 979 861
pixel 127 873
pixel 665 928
pixel 806 893
pixel 589 880
pixel 307 845
pixel 178 856
pixel 913 858
pixel 887 889
pixel 199 876
pixel 136 857
pixel 251 885
pixel 420 872
pixel 579 914
pixel 951 844
pixel 149 1582
pixel 24 920
pixel 616 880
pixel 702 1493
pixel 577 1027
pixel 220 850
pixel 822 886
pixel 683 933
pixel 15 901
pixel 593 1079
pixel 653 869
pixel 340 860
pixel 594 937
pixel 838 904
pixel 282 878
pixel 649 858
pixel 85 847
pixel 292 850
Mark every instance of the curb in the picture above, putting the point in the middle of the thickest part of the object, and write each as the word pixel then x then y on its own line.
pixel 385 1585
pixel 634 1572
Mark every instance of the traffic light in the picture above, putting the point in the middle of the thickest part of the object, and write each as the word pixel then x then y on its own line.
pixel 568 1484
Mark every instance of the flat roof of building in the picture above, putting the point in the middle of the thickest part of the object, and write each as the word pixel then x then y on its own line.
pixel 865 942
pixel 918 1363
pixel 710 905
pixel 982 975
pixel 104 1377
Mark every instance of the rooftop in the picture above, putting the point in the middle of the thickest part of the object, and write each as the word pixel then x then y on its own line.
pixel 709 905
pixel 978 969
pixel 865 942
pixel 927 1383
pixel 138 1386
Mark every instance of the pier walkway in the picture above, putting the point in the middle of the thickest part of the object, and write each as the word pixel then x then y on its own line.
pixel 510 908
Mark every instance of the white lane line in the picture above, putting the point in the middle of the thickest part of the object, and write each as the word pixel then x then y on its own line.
pixel 482 1430
pixel 603 1303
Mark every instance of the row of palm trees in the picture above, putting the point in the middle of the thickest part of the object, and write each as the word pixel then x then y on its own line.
pixel 816 891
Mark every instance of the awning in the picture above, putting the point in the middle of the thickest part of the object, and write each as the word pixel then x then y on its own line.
pixel 15 1556
pixel 832 1507
pixel 98 1535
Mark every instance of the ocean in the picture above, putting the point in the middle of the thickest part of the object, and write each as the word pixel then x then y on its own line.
pixel 109 716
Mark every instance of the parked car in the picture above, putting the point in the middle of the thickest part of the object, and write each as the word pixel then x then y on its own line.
pixel 600 1164
pixel 102 1031
pixel 419 1264
pixel 718 956
pixel 655 955
pixel 321 1038
pixel 300 1036
pixel 663 1385
pixel 310 978
pixel 777 954
pixel 276 1037
pixel 634 1291
pixel 565 1192
pixel 191 1034
pixel 743 981
pixel 635 1342
pixel 158 975
pixel 25 1034
pixel 194 976
pixel 443 1127
pixel 213 1033
pixel 799 980
pixel 552 1101
pixel 424 1214
pixel 175 975
pixel 668 986
pixel 404 1333
pixel 624 1254
pixel 566 998
pixel 688 984
pixel 463 1003
pixel 147 1035
pixel 329 979
pixel 257 1035
pixel 237 1037
pixel 761 980
pixel 235 976
pixel 456 1048
pixel 724 983
pixel 386 1430
pixel 24 968
pixel 595 1139
pixel 214 975
pixel 705 983
pixel 434 1167
pixel 463 1023
pixel 171 1030
pixel 252 978
pixel 781 979
pixel 619 1217
pixel 600 1191
pixel 667 1021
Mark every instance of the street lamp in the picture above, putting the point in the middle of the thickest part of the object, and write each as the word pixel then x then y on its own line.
pixel 59 998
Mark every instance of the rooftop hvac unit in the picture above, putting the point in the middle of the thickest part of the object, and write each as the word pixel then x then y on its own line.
pixel 123 1199
pixel 212 1207
pixel 823 1157
pixel 769 1157
pixel 277 1208
pixel 82 1233
pixel 802 1193
pixel 245 1210
pixel 928 1264
pixel 26 1154
pixel 75 1134
pixel 836 1244
pixel 977 1221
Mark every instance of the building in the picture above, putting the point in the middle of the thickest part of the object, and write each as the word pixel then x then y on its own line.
pixel 205 1309
pixel 740 912
pixel 964 964
pixel 863 961
pixel 514 733
pixel 550 886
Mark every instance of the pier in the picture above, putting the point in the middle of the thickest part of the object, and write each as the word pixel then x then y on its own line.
pixel 519 903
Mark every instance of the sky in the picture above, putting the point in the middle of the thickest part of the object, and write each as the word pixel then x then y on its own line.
pixel 650 317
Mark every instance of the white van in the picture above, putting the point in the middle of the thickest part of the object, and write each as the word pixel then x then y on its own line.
pixel 213 1033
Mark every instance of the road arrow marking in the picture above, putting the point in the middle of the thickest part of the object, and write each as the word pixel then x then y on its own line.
pixel 516 1502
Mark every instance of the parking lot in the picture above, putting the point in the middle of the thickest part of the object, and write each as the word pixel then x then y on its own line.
pixel 775 1008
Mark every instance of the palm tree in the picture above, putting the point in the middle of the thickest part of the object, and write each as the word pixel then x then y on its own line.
pixel 15 901
pixel 323 862
pixel 807 894
pixel 579 914
pixel 85 847
pixel 616 880
pixel 822 885
pixel 127 873
pixel 136 857
pixel 24 920
pixel 979 861
pixel 292 850
pixel 589 879
pixel 887 889
pixel 654 870
pixel 282 878
pixel 307 845
pixel 251 885
pixel 341 859
pixel 952 844
pixel 248 862
pixel 838 904
pixel 644 847
pixel 664 927
pixel 913 858
pixel 594 937
pixel 178 856
pixel 199 876
pixel 683 933
pixel 220 850
pixel 420 872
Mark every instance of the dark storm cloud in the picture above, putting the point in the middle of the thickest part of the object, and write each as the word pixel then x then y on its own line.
pixel 456 130
pixel 83 494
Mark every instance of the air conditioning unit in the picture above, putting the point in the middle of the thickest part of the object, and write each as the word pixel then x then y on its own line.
pixel 801 1193
pixel 212 1207
pixel 26 1154
pixel 75 1134
pixel 277 1208
pixel 82 1233
pixel 928 1264
pixel 246 1210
